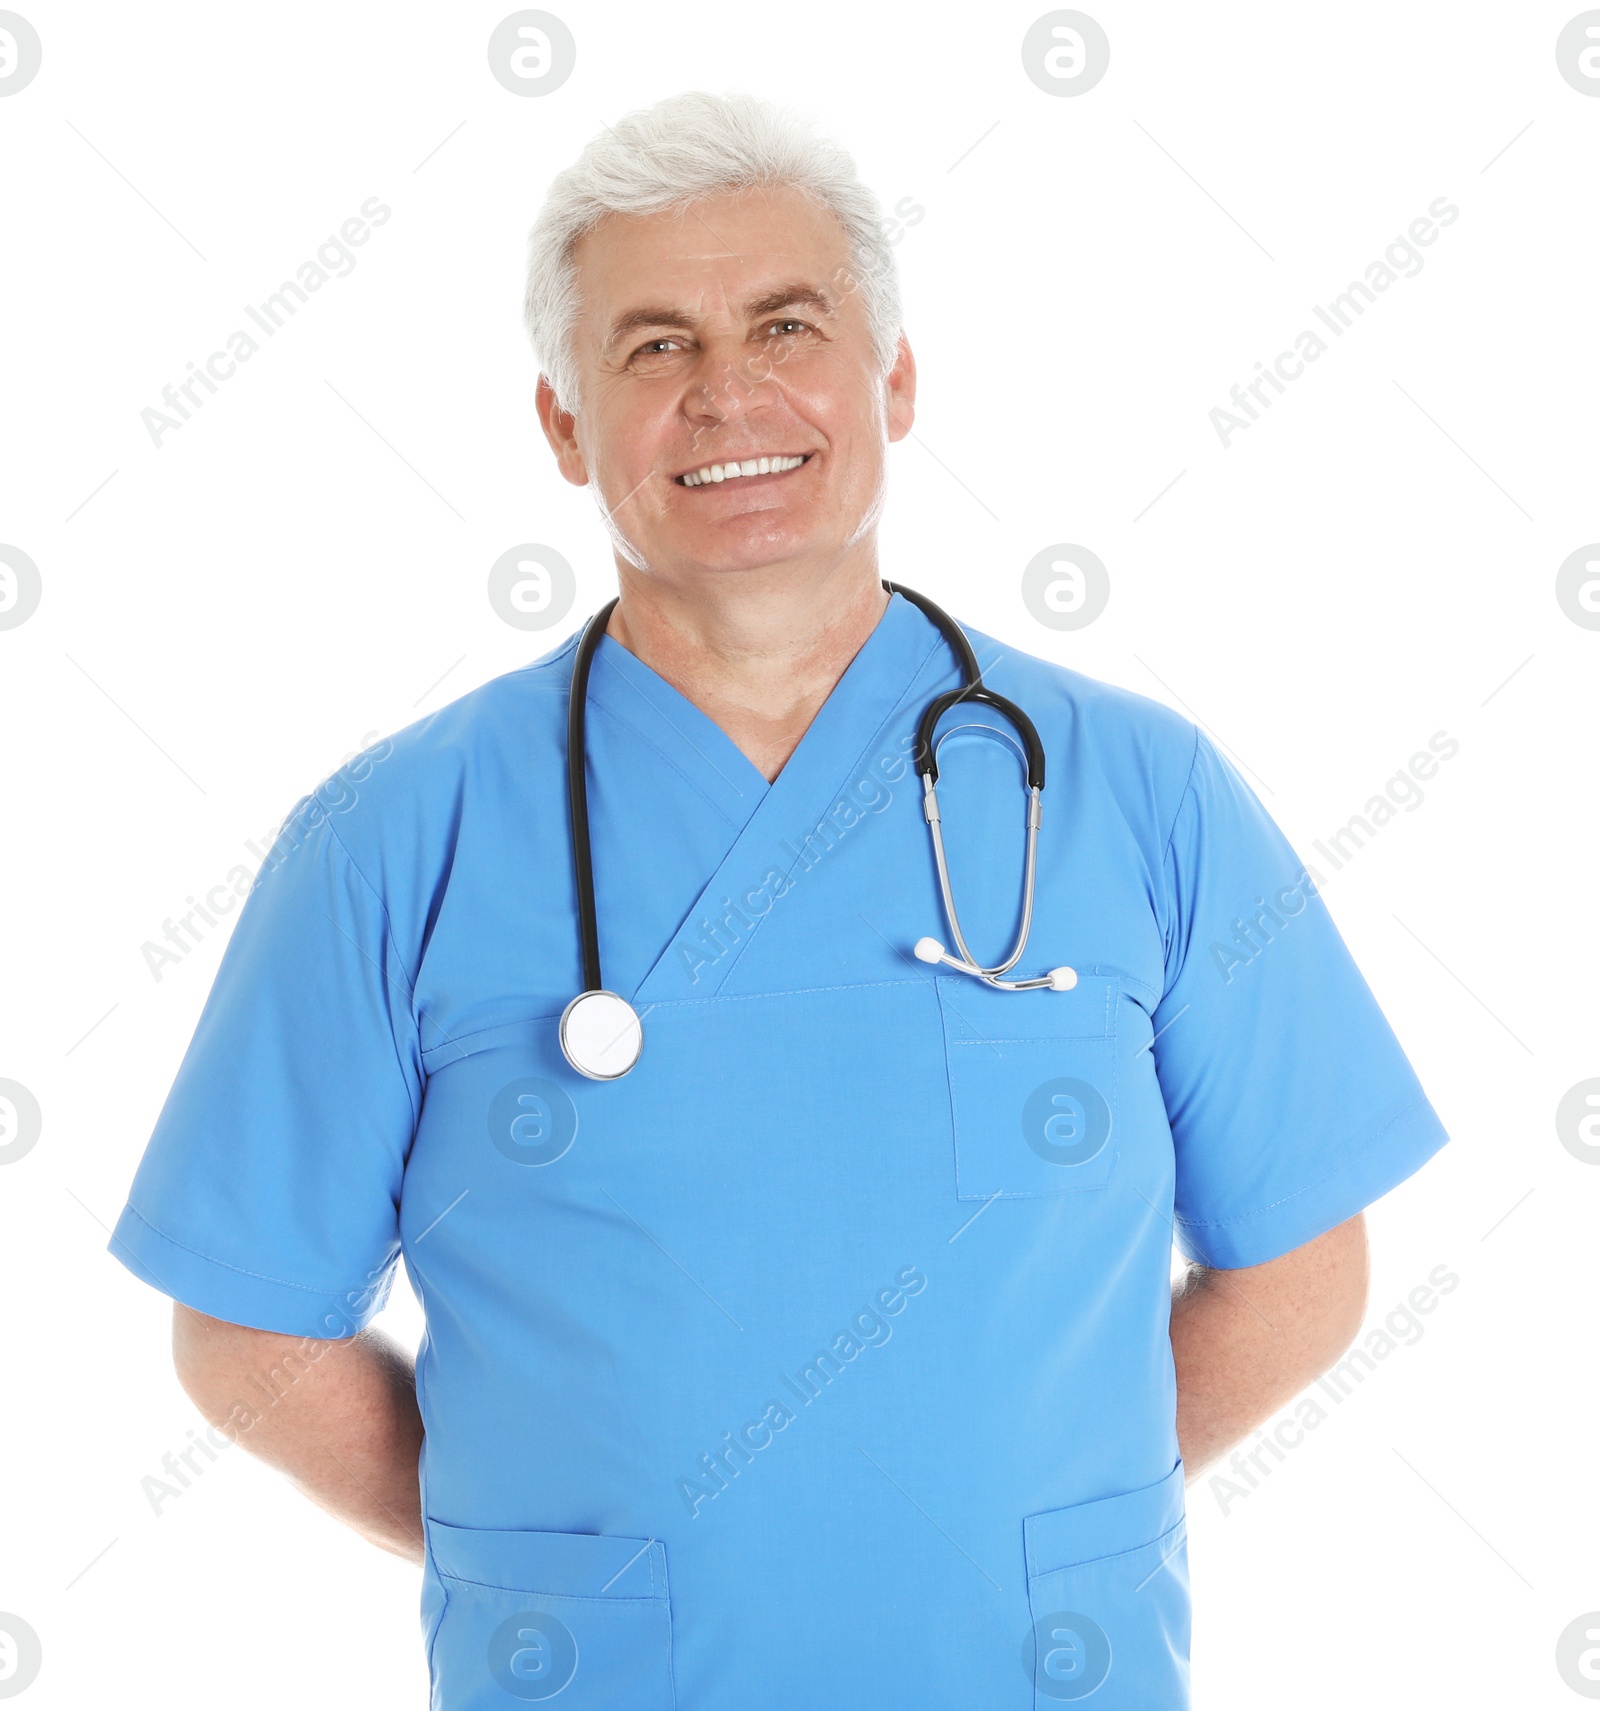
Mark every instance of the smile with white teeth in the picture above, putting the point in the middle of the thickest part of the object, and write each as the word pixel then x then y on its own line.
pixel 732 471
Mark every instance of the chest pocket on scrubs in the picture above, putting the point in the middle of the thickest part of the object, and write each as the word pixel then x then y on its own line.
pixel 576 1617
pixel 1033 1087
pixel 1108 1590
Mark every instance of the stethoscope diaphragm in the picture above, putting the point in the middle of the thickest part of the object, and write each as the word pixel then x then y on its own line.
pixel 601 1035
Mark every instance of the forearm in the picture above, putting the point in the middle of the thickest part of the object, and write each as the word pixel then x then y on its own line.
pixel 1244 1342
pixel 339 1417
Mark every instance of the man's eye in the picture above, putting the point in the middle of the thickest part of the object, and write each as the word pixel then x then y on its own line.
pixel 783 328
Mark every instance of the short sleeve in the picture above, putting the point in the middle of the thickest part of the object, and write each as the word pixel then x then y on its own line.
pixel 1291 1103
pixel 268 1193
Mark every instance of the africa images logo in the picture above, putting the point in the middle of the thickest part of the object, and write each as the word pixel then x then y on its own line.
pixel 868 1329
pixel 1403 259
pixel 334 259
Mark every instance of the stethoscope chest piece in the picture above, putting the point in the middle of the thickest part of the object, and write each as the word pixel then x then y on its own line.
pixel 601 1036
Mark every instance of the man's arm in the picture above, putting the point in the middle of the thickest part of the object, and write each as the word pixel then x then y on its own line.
pixel 339 1417
pixel 1245 1341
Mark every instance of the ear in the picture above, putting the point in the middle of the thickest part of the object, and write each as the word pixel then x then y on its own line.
pixel 560 430
pixel 900 386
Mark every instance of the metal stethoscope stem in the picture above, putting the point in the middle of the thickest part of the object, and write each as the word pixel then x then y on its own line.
pixel 925 757
pixel 929 950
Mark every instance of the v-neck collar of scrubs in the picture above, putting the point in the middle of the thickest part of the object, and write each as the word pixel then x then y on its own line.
pixel 902 658
pixel 689 740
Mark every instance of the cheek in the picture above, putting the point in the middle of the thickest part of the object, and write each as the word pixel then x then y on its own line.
pixel 836 393
pixel 627 446
pixel 859 457
pixel 862 418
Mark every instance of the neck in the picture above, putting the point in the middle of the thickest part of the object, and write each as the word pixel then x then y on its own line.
pixel 757 655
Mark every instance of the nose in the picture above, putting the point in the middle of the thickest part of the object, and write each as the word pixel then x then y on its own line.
pixel 730 381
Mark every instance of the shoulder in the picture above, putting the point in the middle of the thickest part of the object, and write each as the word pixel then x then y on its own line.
pixel 527 706
pixel 406 791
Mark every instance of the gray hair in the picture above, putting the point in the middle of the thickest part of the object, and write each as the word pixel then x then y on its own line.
pixel 681 149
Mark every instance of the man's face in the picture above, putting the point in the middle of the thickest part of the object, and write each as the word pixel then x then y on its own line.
pixel 722 332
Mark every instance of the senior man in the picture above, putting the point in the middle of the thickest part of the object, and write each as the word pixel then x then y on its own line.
pixel 803 1334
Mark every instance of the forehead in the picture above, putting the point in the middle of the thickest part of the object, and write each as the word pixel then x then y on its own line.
pixel 732 245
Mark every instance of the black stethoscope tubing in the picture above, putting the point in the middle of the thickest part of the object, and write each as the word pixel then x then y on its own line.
pixel 924 754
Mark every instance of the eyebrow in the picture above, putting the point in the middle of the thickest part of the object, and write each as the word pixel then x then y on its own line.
pixel 796 294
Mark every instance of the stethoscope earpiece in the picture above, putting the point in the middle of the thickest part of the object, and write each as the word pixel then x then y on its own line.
pixel 1058 979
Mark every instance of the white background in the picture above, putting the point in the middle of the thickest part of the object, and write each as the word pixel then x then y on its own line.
pixel 304 564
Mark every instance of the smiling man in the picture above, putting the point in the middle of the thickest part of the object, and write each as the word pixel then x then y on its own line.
pixel 800 1321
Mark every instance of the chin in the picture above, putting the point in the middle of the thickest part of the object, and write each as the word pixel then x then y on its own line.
pixel 752 551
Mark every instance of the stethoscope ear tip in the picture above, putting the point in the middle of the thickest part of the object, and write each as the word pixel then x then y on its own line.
pixel 1058 979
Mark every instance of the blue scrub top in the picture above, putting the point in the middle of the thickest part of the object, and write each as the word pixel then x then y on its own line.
pixel 824 1359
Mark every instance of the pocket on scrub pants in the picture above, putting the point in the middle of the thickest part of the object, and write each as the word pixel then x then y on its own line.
pixel 1108 1590
pixel 579 1619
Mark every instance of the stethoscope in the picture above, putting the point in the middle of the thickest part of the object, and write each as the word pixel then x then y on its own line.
pixel 601 1033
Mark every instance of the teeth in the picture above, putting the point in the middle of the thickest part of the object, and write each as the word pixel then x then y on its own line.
pixel 732 471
